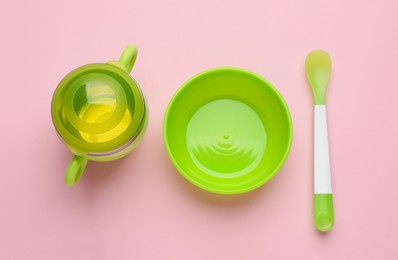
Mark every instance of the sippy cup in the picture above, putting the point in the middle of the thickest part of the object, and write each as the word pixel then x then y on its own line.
pixel 99 112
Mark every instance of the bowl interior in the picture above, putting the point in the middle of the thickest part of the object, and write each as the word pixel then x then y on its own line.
pixel 227 130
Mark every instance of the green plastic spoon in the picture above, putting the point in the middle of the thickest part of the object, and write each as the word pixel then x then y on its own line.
pixel 318 67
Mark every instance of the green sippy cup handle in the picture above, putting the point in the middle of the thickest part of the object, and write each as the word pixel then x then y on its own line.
pixel 128 57
pixel 75 170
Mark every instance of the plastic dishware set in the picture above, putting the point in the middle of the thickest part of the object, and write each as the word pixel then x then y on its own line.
pixel 226 130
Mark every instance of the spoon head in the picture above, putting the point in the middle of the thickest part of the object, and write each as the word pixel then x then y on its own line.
pixel 318 66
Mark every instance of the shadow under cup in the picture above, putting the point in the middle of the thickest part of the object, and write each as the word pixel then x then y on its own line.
pixel 227 130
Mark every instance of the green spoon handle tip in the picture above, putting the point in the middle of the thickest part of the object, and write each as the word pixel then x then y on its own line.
pixel 323 212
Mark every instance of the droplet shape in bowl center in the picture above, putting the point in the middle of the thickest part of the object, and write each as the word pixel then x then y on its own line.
pixel 226 138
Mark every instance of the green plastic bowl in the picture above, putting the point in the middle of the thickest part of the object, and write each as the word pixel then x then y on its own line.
pixel 227 130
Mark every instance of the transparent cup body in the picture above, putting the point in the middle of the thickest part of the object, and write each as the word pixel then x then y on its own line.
pixel 99 112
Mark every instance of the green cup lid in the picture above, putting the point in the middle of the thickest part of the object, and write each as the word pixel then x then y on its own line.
pixel 97 108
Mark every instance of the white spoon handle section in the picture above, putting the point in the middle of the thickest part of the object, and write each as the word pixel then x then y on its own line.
pixel 322 177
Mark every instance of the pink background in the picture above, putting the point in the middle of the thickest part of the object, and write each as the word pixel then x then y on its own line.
pixel 140 207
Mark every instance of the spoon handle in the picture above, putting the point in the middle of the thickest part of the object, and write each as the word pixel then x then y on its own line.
pixel 323 198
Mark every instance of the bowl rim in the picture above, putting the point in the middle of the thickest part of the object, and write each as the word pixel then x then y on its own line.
pixel 175 161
